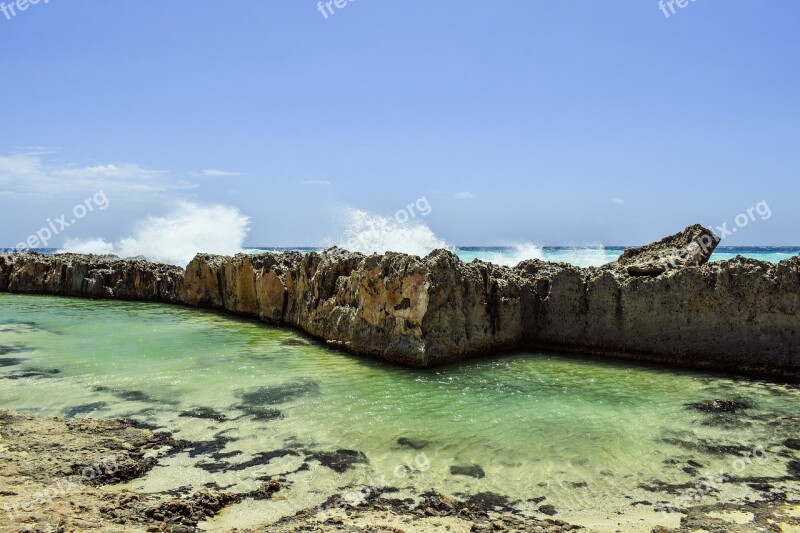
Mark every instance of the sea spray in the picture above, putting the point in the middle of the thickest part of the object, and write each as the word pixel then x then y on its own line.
pixel 591 255
pixel 370 233
pixel 513 255
pixel 177 237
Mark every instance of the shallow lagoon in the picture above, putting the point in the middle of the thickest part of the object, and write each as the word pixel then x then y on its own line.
pixel 594 437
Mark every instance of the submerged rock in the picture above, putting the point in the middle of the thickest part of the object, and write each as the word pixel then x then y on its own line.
pixel 209 447
pixel 662 302
pixel 720 406
pixel 294 342
pixel 30 373
pixel 129 395
pixel 489 501
pixel 5 349
pixel 277 394
pixel 468 470
pixel 414 444
pixel 794 469
pixel 339 461
pixel 549 510
pixel 72 412
pixel 258 412
pixel 206 413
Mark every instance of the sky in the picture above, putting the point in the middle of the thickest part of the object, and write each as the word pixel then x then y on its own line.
pixel 551 122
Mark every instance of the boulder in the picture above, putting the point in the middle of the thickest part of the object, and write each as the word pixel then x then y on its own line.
pixel 691 247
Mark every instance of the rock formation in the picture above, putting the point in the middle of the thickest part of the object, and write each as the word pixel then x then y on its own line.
pixel 661 303
pixel 691 247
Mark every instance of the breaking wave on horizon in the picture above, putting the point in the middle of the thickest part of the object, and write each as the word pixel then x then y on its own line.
pixel 177 237
pixel 509 256
pixel 370 233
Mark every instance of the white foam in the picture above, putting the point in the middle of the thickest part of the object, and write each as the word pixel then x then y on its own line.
pixel 177 237
pixel 88 246
pixel 370 233
pixel 585 256
pixel 514 255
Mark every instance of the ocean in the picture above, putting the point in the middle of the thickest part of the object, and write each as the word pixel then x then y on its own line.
pixel 583 256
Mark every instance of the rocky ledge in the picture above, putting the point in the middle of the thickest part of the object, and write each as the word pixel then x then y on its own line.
pixel 56 473
pixel 660 303
pixel 47 485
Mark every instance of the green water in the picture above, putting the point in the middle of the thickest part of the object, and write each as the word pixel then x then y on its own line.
pixel 587 434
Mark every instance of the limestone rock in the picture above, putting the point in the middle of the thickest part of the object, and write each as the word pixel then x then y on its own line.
pixel 691 247
pixel 89 276
pixel 740 315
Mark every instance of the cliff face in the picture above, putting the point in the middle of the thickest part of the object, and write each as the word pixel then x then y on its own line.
pixel 659 303
pixel 89 277
pixel 738 315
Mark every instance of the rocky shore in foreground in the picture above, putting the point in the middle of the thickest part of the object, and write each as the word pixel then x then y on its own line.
pixel 660 303
pixel 64 475
pixel 56 474
pixel 69 475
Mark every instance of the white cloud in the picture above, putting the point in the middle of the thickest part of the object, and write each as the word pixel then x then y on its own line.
pixel 39 150
pixel 465 195
pixel 321 183
pixel 618 201
pixel 216 173
pixel 124 171
pixel 31 174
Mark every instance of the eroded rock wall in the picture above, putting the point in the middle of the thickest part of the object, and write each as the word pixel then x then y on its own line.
pixel 740 315
pixel 89 277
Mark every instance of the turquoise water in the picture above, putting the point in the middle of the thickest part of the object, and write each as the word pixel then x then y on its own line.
pixel 583 256
pixel 589 435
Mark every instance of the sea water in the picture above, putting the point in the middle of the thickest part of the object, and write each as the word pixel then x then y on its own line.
pixel 582 256
pixel 601 440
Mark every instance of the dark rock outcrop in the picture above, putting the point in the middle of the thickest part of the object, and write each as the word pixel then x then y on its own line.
pixel 661 303
pixel 89 276
pixel 691 247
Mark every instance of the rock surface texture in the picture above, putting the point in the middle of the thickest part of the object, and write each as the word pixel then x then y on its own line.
pixel 661 303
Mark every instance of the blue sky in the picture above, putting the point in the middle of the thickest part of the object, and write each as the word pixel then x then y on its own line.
pixel 559 122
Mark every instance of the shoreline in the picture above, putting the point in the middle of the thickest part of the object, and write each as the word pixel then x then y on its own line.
pixel 65 489
pixel 39 492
